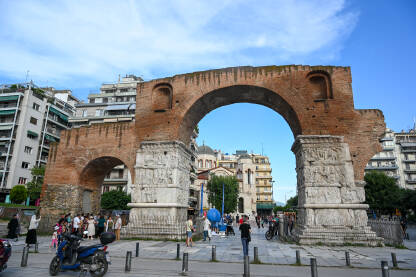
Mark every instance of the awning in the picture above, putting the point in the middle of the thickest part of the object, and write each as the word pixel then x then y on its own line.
pixel 4 112
pixel 58 113
pixel 6 127
pixel 9 98
pixel 32 133
pixel 117 107
pixel 265 206
pixel 50 138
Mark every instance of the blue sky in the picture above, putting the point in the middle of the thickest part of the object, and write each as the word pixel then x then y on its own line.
pixel 81 44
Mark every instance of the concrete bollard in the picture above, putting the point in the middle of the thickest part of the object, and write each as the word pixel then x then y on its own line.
pixel 137 249
pixel 178 251
pixel 127 268
pixel 246 266
pixel 384 269
pixel 214 253
pixel 256 254
pixel 185 262
pixel 298 257
pixel 347 258
pixel 394 260
pixel 314 268
pixel 25 256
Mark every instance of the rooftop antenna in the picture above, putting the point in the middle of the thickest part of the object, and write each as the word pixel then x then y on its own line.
pixel 262 148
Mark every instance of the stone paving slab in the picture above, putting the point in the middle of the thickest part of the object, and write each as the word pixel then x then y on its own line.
pixel 229 249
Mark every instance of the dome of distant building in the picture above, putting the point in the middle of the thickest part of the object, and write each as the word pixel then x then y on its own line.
pixel 203 149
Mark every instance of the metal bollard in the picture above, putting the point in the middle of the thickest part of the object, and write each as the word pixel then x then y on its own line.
pixel 37 247
pixel 256 254
pixel 314 268
pixel 394 260
pixel 24 256
pixel 347 258
pixel 214 253
pixel 185 262
pixel 298 257
pixel 137 249
pixel 384 269
pixel 246 266
pixel 178 251
pixel 128 261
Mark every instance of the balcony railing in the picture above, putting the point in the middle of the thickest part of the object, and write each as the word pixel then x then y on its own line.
pixel 383 158
pixel 413 181
pixel 392 167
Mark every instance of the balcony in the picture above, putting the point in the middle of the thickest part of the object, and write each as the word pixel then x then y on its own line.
pixel 388 148
pixel 392 167
pixel 409 150
pixel 410 170
pixel 383 158
pixel 386 139
pixel 409 161
pixel 115 180
pixel 411 182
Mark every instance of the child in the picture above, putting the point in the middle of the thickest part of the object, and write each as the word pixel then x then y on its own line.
pixel 54 238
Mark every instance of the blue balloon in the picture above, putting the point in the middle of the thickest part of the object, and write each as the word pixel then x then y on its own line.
pixel 213 215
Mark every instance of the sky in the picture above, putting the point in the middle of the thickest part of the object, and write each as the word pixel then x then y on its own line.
pixel 79 45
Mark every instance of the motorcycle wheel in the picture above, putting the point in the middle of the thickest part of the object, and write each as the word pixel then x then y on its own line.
pixel 268 235
pixel 55 266
pixel 102 262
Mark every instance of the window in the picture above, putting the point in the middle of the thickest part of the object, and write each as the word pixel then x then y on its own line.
pixel 33 120
pixel 22 180
pixel 249 176
pixel 265 182
pixel 28 150
pixel 98 112
pixel 25 165
pixel 36 106
pixel 200 164
pixel 258 197
pixel 84 113
pixel 266 197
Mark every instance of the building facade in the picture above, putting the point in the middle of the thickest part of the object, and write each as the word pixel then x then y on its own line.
pixel 264 184
pixel 30 119
pixel 116 102
pixel 398 157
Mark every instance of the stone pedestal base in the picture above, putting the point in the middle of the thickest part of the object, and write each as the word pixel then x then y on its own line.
pixel 329 199
pixel 161 190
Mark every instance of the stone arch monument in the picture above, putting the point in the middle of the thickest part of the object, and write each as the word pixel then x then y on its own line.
pixel 333 142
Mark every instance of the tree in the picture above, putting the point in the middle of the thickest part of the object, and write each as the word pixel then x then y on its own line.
pixel 34 187
pixel 115 200
pixel 214 188
pixel 381 193
pixel 18 194
pixel 291 205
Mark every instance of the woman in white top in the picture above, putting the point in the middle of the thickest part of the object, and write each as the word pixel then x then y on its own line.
pixel 31 237
pixel 91 228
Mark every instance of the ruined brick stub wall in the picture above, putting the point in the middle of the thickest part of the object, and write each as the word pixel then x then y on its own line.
pixel 314 100
pixel 80 162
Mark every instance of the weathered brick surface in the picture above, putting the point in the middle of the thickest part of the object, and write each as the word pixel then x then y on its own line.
pixel 314 100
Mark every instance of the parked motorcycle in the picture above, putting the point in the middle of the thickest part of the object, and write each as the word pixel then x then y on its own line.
pixel 71 256
pixel 273 228
pixel 5 253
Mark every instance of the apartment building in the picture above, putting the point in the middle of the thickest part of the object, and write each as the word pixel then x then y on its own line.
pixel 398 157
pixel 30 119
pixel 264 184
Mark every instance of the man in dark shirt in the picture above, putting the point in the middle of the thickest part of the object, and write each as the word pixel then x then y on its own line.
pixel 245 230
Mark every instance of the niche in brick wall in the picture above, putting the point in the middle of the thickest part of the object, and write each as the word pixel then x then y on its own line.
pixel 162 97
pixel 320 85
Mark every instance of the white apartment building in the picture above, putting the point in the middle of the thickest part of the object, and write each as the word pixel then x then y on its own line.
pixel 30 119
pixel 116 102
pixel 398 157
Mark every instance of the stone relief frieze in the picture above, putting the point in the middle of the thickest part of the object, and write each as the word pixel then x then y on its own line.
pixel 318 195
pixel 323 175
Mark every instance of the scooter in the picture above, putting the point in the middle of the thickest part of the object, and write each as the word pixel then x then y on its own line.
pixel 71 256
pixel 5 253
pixel 273 225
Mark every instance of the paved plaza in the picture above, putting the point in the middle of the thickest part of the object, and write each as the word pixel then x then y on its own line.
pixel 156 258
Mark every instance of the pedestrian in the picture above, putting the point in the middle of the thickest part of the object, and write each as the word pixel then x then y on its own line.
pixel 101 225
pixel 189 230
pixel 109 226
pixel 54 241
pixel 245 230
pixel 241 220
pixel 13 227
pixel 258 221
pixel 91 228
pixel 117 226
pixel 207 225
pixel 77 224
pixel 31 237
pixel 237 219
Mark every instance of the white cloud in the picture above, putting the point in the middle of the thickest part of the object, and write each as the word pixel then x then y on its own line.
pixel 79 43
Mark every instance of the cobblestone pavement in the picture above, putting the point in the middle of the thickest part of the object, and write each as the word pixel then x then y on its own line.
pixel 229 249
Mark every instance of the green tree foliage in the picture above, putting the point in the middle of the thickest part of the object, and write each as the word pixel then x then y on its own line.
pixel 214 188
pixel 382 194
pixel 34 187
pixel 18 194
pixel 290 206
pixel 115 200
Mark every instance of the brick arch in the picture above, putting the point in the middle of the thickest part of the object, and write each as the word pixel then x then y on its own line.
pixel 237 94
